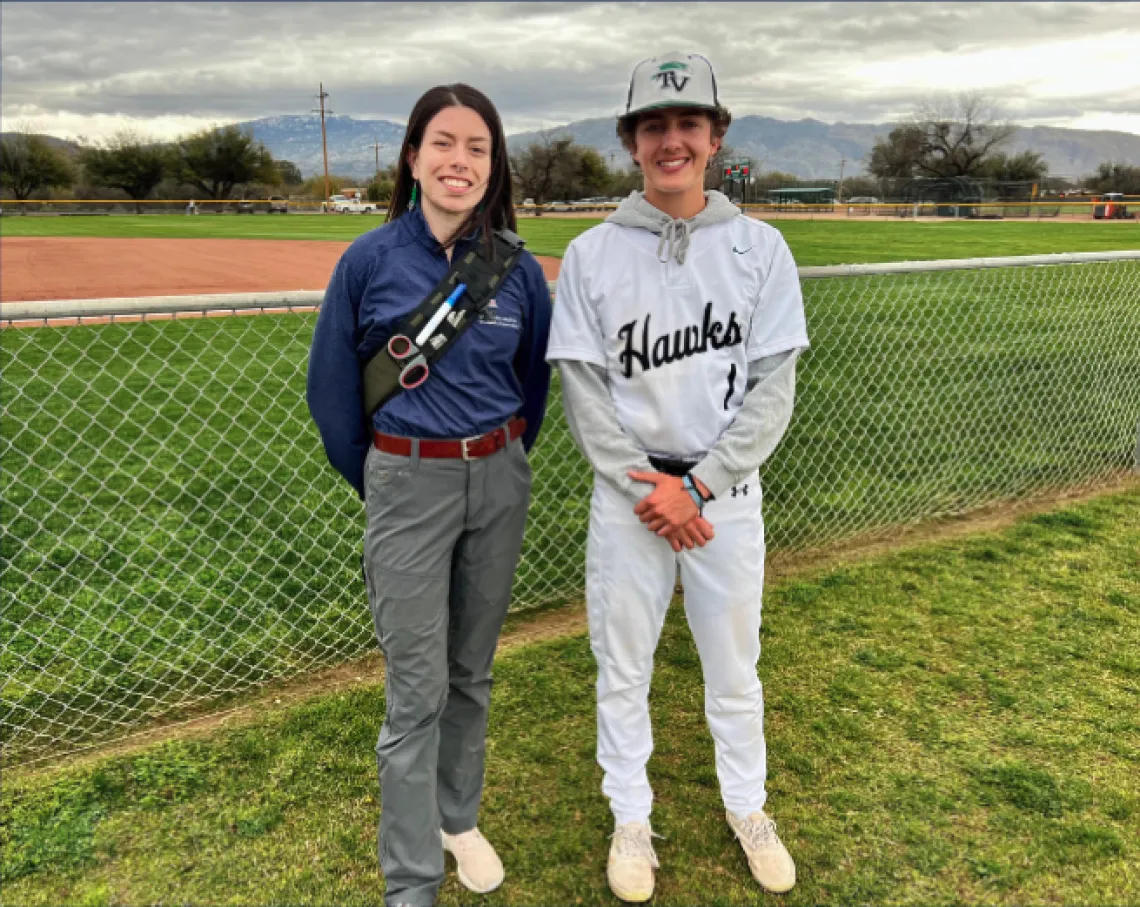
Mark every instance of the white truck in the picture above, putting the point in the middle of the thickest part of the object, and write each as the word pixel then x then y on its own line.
pixel 342 204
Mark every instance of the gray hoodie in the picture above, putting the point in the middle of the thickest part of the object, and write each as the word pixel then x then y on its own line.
pixel 759 424
pixel 635 211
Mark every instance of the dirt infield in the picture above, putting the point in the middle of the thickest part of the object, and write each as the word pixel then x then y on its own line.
pixel 33 268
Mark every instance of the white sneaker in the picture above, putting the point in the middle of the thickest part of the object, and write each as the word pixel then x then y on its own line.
pixel 480 869
pixel 771 864
pixel 631 863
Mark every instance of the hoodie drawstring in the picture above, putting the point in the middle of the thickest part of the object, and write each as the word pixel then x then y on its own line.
pixel 674 241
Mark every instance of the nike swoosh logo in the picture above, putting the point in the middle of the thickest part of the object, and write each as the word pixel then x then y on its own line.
pixel 742 251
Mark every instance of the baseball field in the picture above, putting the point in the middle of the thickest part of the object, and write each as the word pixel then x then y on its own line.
pixel 949 722
pixel 812 242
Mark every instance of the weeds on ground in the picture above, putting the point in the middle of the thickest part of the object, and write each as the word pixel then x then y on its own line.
pixel 952 723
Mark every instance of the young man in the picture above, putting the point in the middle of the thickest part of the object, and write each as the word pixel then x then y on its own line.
pixel 676 328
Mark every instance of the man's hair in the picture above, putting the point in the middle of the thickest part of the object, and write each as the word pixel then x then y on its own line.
pixel 720 118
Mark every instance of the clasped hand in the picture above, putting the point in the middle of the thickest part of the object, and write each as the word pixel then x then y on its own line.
pixel 669 511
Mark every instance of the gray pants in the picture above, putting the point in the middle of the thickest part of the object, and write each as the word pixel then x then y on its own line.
pixel 440 553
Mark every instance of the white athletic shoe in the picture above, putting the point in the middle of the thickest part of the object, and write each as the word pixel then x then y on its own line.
pixel 631 863
pixel 480 869
pixel 771 864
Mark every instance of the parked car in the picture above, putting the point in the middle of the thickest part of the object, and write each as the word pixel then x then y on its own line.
pixel 245 206
pixel 278 204
pixel 342 205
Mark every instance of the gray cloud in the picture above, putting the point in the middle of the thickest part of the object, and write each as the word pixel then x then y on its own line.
pixel 543 63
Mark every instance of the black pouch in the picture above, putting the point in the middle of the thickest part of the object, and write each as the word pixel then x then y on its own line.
pixel 406 359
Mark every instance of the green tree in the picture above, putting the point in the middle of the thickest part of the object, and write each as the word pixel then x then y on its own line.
pixel 775 179
pixel 216 160
pixel 581 173
pixel 290 173
pixel 314 186
pixel 623 182
pixel 898 154
pixel 1116 177
pixel 28 163
pixel 127 162
pixel 1028 166
pixel 381 190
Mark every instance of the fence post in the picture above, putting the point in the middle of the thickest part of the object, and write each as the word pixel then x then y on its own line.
pixel 1136 456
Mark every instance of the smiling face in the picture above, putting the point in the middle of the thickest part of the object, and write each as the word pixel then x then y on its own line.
pixel 673 147
pixel 453 162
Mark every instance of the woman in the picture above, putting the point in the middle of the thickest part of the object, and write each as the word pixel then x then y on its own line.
pixel 678 326
pixel 443 472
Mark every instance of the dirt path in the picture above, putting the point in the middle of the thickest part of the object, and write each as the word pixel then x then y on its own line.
pixel 527 628
pixel 41 267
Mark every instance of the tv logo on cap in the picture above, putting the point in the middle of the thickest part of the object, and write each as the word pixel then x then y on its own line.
pixel 667 75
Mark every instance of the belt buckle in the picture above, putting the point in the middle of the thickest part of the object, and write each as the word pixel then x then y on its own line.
pixel 463 447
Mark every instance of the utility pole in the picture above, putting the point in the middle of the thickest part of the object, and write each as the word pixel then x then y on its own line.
pixel 842 162
pixel 376 147
pixel 324 144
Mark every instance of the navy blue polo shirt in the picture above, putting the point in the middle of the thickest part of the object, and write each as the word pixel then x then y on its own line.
pixel 496 369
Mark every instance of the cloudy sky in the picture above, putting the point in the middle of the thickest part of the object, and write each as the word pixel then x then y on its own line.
pixel 90 69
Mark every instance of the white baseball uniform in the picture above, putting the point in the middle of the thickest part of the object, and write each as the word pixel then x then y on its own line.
pixel 675 336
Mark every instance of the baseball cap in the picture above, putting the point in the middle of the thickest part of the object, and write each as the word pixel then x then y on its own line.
pixel 672 79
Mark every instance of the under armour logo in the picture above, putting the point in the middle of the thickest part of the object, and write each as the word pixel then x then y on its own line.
pixel 669 77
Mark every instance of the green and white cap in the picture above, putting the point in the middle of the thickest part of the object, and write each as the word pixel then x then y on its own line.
pixel 672 79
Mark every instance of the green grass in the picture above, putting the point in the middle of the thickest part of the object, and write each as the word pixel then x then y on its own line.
pixel 812 242
pixel 951 723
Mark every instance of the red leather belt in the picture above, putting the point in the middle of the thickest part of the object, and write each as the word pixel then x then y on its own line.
pixel 465 448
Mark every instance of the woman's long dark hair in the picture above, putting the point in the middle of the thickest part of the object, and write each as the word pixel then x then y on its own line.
pixel 495 211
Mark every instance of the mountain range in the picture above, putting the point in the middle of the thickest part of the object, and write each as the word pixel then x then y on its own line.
pixel 809 149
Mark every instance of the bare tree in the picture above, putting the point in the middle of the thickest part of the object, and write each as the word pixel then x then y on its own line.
pixel 960 132
pixel 948 136
pixel 535 169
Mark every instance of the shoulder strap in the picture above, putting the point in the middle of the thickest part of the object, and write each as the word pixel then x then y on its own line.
pixel 433 327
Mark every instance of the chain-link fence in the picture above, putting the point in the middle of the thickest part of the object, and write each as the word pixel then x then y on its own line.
pixel 172 532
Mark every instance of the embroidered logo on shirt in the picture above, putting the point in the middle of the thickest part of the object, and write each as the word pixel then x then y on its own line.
pixel 742 251
pixel 492 315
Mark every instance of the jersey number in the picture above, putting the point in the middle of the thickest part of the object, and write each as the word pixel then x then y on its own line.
pixel 731 384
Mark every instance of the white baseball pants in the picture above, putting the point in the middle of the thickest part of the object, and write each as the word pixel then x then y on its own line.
pixel 630 575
